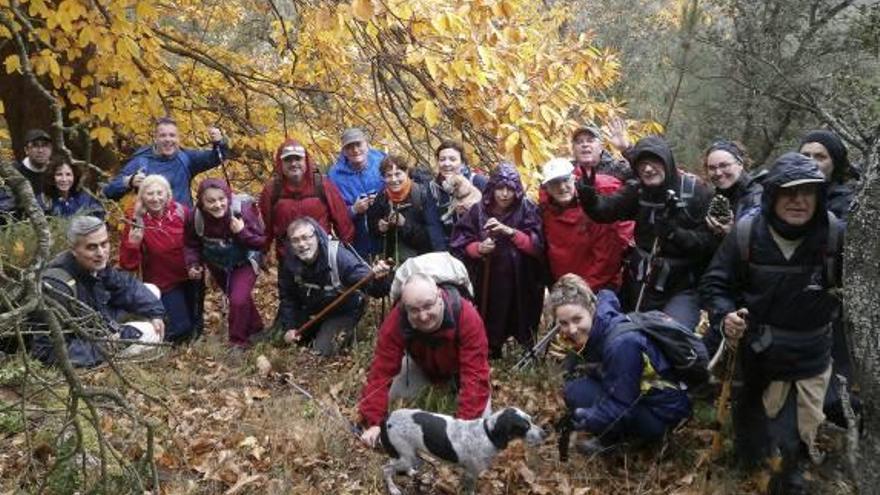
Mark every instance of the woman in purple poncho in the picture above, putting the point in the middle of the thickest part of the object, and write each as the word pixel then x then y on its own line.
pixel 501 238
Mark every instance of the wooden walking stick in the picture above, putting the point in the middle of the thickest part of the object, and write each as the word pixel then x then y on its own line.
pixel 484 287
pixel 722 414
pixel 297 333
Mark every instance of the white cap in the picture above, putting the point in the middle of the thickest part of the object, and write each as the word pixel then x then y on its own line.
pixel 556 168
pixel 292 151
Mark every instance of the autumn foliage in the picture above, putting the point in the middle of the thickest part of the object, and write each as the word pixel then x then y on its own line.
pixel 505 76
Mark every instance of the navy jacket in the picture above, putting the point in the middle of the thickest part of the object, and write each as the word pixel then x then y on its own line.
pixel 622 371
pixel 799 300
pixel 297 301
pixel 112 293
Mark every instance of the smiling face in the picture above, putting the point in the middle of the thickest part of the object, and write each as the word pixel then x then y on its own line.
pixel 651 171
pixel 448 162
pixel 294 168
pixel 356 153
pixel 394 179
pixel 796 205
pixel 214 202
pixel 64 178
pixel 166 140
pixel 561 190
pixel 819 153
pixel 723 169
pixel 92 251
pixel 304 241
pixel 154 198
pixel 423 305
pixel 575 323
pixel 587 149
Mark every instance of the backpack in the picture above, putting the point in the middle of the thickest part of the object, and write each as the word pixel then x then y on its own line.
pixel 278 189
pixel 222 252
pixel 831 249
pixel 441 266
pixel 683 349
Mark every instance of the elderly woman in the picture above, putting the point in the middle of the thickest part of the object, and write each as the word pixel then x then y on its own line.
pixel 404 214
pixel 152 243
pixel 225 233
pixel 451 162
pixel 726 164
pixel 62 195
pixel 298 190
pixel 500 241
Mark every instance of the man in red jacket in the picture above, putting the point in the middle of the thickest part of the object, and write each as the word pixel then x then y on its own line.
pixel 575 243
pixel 432 336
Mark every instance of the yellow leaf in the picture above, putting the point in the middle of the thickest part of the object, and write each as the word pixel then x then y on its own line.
pixel 432 113
pixel 362 9
pixel 2 107
pixel 103 134
pixel 13 63
pixel 431 64
pixel 511 141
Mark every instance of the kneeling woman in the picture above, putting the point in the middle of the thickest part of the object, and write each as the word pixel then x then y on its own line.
pixel 623 395
pixel 226 235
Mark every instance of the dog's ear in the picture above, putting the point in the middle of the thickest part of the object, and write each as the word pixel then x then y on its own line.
pixel 510 424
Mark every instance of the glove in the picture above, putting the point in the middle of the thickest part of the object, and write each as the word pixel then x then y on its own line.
pixel 579 418
pixel 586 192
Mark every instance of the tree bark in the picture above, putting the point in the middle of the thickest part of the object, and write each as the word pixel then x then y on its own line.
pixel 862 303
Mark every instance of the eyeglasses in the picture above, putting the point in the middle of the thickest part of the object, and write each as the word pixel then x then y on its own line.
pixel 720 166
pixel 415 311
pixel 302 239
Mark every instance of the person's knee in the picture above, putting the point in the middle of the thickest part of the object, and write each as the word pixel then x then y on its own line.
pixel 154 290
pixel 582 392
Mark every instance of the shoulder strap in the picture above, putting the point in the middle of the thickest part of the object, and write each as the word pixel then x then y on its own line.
pixel 743 237
pixel 832 249
pixel 319 187
pixel 61 275
pixel 688 186
pixel 332 252
pixel 455 306
pixel 198 222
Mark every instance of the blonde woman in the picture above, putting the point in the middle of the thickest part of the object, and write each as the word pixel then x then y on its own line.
pixel 623 391
pixel 152 242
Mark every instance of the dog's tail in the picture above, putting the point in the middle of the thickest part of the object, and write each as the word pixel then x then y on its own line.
pixel 386 442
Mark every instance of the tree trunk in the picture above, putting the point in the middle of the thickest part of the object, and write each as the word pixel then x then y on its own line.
pixel 862 301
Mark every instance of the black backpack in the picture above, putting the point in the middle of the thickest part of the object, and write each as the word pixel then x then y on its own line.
pixel 684 349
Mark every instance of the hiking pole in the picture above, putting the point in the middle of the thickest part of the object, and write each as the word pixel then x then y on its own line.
pixel 484 288
pixel 538 349
pixel 721 404
pixel 648 272
pixel 351 427
pixel 329 307
pixel 332 305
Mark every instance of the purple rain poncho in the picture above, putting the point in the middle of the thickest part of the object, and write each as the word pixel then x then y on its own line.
pixel 516 278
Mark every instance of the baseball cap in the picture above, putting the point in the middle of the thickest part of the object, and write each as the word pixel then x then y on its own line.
pixel 798 182
pixel 36 135
pixel 557 168
pixel 587 127
pixel 292 150
pixel 352 135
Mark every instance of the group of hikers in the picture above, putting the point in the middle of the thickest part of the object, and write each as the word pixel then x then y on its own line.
pixel 611 248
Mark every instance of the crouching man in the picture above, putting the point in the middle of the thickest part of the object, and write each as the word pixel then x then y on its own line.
pixel 432 336
pixel 771 281
pixel 80 280
pixel 315 271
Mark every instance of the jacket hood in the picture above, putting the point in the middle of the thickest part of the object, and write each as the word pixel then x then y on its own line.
pixel 843 169
pixel 213 183
pixel 503 175
pixel 658 147
pixel 788 168
pixel 608 313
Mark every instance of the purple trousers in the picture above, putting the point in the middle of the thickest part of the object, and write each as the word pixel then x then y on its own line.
pixel 244 319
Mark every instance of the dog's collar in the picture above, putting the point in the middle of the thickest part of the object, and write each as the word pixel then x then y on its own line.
pixel 498 443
